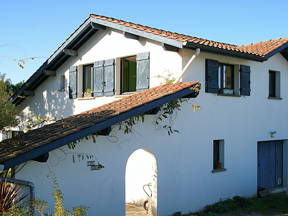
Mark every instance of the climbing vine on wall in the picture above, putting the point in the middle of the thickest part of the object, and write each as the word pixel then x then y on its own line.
pixel 73 144
pixel 165 116
pixel 127 125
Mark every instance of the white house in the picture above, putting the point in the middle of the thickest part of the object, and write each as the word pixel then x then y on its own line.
pixel 232 137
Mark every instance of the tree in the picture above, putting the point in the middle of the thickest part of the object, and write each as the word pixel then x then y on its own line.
pixel 8 111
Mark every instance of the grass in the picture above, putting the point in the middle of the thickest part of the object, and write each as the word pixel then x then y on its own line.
pixel 274 204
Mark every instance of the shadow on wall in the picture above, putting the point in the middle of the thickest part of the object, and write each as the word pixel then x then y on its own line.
pixel 49 102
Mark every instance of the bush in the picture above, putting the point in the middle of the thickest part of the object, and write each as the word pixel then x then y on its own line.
pixel 9 207
pixel 10 196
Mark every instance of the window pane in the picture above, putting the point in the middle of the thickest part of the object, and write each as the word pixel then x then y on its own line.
pixel 124 75
pixel 216 154
pixel 128 74
pixel 229 78
pixel 87 77
pixel 272 84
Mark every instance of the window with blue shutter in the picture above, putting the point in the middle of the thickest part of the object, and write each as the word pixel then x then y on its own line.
pixel 73 82
pixel 227 79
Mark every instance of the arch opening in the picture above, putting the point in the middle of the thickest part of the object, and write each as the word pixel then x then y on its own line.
pixel 141 184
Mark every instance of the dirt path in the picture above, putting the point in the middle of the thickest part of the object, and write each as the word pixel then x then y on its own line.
pixel 132 210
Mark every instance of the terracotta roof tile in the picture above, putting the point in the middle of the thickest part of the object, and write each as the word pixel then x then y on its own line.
pixel 265 47
pixel 259 49
pixel 39 137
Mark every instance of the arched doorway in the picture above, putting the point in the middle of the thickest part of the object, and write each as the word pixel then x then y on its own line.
pixel 141 184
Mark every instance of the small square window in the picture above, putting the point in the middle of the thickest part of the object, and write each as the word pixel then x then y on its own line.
pixel 274 84
pixel 218 155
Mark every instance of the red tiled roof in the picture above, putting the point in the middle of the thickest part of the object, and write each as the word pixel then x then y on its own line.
pixel 39 137
pixel 265 47
pixel 259 49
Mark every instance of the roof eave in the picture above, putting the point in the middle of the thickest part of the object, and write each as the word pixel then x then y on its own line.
pixel 159 38
pixel 219 51
pixel 192 93
pixel 56 59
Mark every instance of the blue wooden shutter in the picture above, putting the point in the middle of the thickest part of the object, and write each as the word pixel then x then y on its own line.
pixel 79 81
pixel 143 71
pixel 109 77
pixel 73 82
pixel 245 80
pixel 212 76
pixel 98 78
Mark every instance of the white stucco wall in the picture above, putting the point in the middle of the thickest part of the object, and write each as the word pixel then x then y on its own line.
pixel 185 160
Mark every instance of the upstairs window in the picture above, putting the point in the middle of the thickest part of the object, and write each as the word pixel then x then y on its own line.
pixel 226 73
pixel 87 80
pixel 227 79
pixel 274 84
pixel 106 77
pixel 128 74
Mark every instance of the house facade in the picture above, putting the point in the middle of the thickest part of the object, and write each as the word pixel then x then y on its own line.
pixel 232 137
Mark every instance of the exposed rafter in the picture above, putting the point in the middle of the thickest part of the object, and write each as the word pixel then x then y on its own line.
pixel 131 36
pixel 97 26
pixel 50 72
pixel 170 48
pixel 28 93
pixel 105 132
pixel 70 52
pixel 42 158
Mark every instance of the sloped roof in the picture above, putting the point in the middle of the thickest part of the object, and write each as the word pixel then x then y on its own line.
pixel 260 49
pixel 258 52
pixel 40 141
pixel 265 47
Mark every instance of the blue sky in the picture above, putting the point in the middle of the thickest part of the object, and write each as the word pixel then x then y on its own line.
pixel 35 28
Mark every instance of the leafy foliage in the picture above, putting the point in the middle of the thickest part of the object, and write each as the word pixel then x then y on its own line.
pixel 59 209
pixel 167 112
pixel 36 122
pixel 93 136
pixel 127 125
pixel 168 79
pixel 18 211
pixel 8 111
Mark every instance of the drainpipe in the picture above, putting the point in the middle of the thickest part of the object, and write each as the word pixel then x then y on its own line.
pixel 28 184
pixel 197 52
